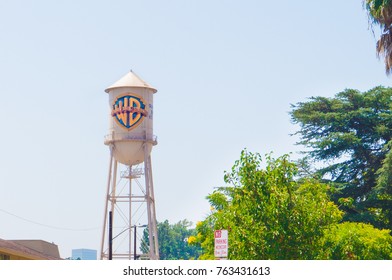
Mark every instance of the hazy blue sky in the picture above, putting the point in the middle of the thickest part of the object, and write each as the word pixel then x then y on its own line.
pixel 226 74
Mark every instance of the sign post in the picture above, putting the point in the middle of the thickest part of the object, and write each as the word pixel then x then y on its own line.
pixel 221 244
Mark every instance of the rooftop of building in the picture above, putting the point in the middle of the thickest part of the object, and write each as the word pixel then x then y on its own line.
pixel 30 249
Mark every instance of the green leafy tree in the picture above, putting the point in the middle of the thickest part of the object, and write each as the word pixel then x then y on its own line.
pixel 384 180
pixel 269 213
pixel 380 14
pixel 349 133
pixel 173 241
pixel 356 241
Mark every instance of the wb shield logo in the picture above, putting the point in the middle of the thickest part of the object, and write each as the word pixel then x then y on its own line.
pixel 129 111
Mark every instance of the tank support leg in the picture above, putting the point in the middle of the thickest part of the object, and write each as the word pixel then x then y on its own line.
pixel 152 222
pixel 106 203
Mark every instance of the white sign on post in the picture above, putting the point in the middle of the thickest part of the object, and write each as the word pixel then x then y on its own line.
pixel 221 243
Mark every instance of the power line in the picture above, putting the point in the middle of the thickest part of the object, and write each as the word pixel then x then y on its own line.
pixel 48 226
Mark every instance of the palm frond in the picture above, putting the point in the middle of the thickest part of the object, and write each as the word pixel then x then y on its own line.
pixel 384 49
pixel 380 14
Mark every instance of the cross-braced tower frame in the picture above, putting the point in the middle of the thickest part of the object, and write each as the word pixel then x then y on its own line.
pixel 130 197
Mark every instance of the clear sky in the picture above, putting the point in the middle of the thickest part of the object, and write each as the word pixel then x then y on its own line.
pixel 226 74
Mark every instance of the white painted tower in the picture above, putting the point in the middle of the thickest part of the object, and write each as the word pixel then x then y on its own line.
pixel 130 142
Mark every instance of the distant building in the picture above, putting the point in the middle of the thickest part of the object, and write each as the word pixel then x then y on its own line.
pixel 28 250
pixel 84 254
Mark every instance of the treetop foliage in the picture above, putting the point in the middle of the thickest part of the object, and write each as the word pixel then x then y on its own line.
pixel 173 241
pixel 349 133
pixel 271 213
pixel 356 241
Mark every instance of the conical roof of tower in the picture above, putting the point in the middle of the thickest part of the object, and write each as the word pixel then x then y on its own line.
pixel 130 80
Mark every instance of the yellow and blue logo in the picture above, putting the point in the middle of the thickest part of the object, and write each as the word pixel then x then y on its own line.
pixel 129 110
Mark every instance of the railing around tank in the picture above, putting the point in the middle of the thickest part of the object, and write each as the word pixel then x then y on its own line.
pixel 125 137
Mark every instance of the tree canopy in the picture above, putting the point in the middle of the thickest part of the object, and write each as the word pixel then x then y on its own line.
pixel 269 214
pixel 272 213
pixel 349 134
pixel 173 241
pixel 356 241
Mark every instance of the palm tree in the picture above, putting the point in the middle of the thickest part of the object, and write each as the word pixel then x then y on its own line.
pixel 380 13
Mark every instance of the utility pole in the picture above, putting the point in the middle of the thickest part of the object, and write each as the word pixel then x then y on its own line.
pixel 110 235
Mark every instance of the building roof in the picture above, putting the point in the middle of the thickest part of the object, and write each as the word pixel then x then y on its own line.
pixel 130 80
pixel 30 249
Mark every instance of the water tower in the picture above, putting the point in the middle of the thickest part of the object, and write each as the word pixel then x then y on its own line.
pixel 130 142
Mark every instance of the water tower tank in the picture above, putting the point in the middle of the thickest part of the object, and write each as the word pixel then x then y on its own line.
pixel 131 119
